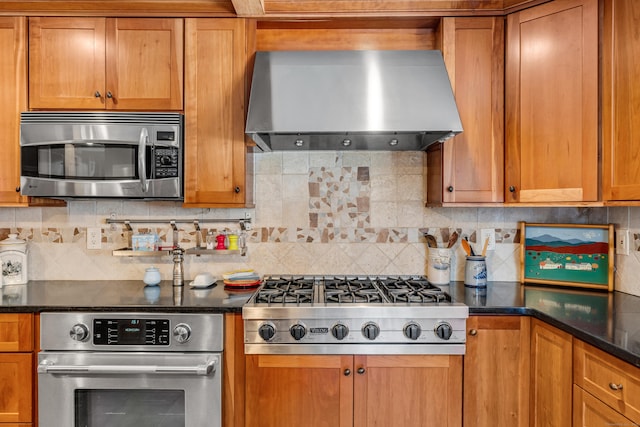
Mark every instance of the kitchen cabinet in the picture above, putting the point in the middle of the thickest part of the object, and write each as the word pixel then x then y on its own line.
pixel 13 99
pixel 551 376
pixel 607 388
pixel 360 391
pixel 620 96
pixel 16 369
pixel 496 371
pixel 469 168
pixel 105 63
pixel 551 120
pixel 216 157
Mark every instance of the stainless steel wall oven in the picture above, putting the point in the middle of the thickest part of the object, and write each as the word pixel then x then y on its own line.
pixel 130 369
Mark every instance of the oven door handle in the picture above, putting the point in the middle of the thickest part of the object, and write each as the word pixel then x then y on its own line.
pixel 49 367
pixel 142 161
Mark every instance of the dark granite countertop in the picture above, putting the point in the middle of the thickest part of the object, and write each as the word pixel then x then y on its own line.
pixel 609 321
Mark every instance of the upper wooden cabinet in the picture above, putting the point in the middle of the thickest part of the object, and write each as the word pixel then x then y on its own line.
pixel 105 63
pixel 496 371
pixel 620 98
pixel 469 168
pixel 215 151
pixel 13 99
pixel 552 103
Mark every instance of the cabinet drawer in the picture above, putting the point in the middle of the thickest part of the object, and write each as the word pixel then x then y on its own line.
pixel 591 412
pixel 16 332
pixel 609 379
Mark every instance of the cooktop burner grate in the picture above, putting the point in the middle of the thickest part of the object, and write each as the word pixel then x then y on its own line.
pixel 412 291
pixel 285 291
pixel 352 291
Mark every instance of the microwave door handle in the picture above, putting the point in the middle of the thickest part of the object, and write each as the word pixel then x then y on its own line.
pixel 48 367
pixel 142 163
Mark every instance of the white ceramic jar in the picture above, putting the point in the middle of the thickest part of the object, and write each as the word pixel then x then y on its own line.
pixel 13 255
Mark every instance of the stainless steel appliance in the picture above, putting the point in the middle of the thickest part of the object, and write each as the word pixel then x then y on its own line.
pixel 389 100
pixel 353 315
pixel 130 369
pixel 96 155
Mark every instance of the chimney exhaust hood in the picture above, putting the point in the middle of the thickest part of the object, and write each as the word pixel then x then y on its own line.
pixel 351 100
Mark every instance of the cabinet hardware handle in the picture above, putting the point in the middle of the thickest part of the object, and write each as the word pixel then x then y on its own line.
pixel 347 372
pixel 109 95
pixel 512 189
pixel 473 332
pixel 237 189
pixel 17 189
pixel 97 94
pixel 613 386
pixel 361 371
pixel 450 189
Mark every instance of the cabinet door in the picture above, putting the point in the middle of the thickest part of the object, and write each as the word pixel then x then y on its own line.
pixel 294 390
pixel 16 332
pixel 473 161
pixel 16 381
pixel 404 390
pixel 13 98
pixel 621 96
pixel 496 371
pixel 144 64
pixel 66 63
pixel 214 113
pixel 552 103
pixel 591 412
pixel 551 376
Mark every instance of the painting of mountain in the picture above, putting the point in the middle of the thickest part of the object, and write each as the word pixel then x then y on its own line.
pixel 567 254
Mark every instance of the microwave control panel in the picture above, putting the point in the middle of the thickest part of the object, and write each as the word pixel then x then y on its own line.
pixel 166 161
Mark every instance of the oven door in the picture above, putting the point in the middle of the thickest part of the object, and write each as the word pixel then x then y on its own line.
pixel 129 389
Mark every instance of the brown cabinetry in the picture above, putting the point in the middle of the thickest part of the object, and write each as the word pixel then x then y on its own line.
pixel 551 85
pixel 551 376
pixel 469 168
pixel 13 99
pixel 105 63
pixel 605 382
pixel 620 97
pixel 16 369
pixel 496 371
pixel 215 150
pixel 360 391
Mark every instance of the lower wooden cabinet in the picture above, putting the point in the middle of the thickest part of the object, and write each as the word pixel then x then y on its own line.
pixel 496 372
pixel 612 382
pixel 591 412
pixel 16 369
pixel 551 376
pixel 359 391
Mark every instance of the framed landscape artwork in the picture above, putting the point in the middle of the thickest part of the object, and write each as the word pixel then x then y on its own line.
pixel 567 255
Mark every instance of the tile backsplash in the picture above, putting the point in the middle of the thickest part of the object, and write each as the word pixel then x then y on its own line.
pixel 316 213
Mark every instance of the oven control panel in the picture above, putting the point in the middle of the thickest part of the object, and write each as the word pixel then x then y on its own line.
pixel 131 332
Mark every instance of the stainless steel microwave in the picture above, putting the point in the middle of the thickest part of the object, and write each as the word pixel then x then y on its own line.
pixel 102 155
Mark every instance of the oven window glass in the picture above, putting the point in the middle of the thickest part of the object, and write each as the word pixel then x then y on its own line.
pixel 92 161
pixel 130 408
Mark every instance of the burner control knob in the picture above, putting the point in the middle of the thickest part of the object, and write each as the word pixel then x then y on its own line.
pixel 370 331
pixel 340 331
pixel 79 332
pixel 412 331
pixel 182 333
pixel 298 331
pixel 267 331
pixel 444 330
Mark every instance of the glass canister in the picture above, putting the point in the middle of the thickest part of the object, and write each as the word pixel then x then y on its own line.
pixel 475 272
pixel 13 254
pixel 439 268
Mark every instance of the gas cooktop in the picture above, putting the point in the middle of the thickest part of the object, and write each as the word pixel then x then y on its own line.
pixel 353 314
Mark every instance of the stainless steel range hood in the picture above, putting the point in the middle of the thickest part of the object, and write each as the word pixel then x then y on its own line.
pixel 351 100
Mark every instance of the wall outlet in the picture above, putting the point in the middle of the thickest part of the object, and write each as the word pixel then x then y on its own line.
pixel 622 242
pixel 94 238
pixel 488 233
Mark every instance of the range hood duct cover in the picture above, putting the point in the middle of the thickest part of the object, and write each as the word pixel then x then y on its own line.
pixel 351 100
